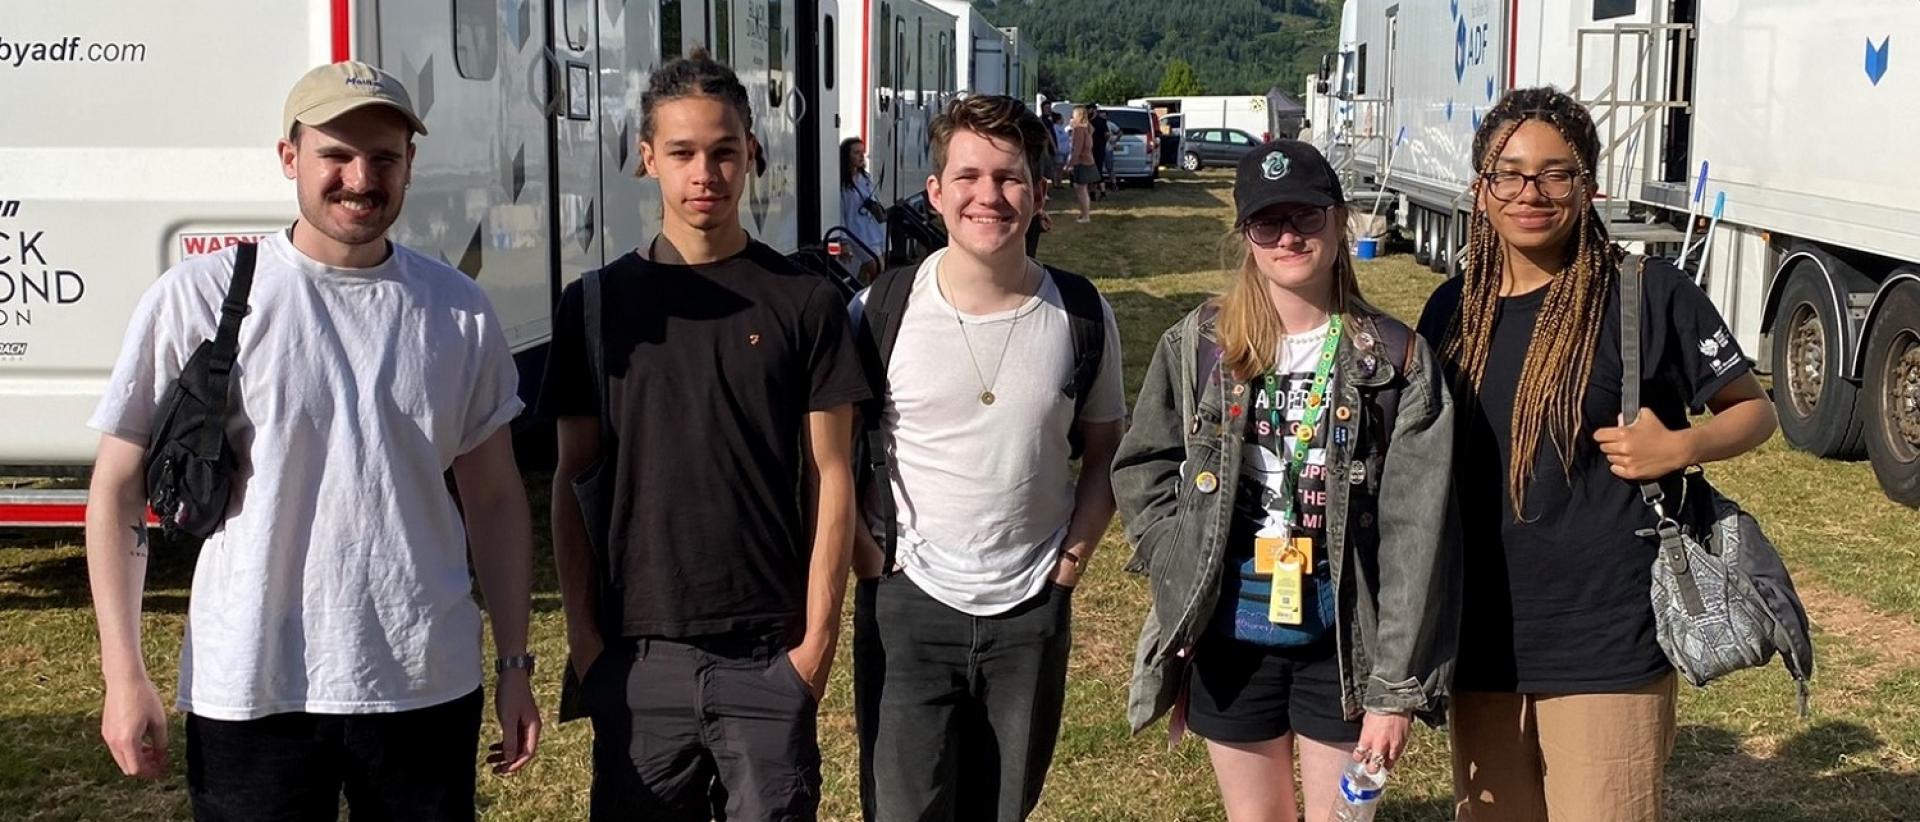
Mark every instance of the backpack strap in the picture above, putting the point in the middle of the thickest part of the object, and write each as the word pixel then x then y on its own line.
pixel 874 337
pixel 1087 325
pixel 1396 342
pixel 590 285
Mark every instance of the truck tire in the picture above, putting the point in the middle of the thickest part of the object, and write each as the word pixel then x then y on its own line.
pixel 1423 243
pixel 1443 235
pixel 1816 402
pixel 1191 162
pixel 1892 387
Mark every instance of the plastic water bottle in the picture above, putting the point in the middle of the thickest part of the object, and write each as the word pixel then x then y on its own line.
pixel 1360 793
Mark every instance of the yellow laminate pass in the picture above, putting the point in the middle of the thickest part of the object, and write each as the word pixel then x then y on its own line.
pixel 1284 607
pixel 1266 552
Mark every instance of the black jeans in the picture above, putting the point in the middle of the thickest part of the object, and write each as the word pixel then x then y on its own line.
pixel 957 714
pixel 411 766
pixel 699 729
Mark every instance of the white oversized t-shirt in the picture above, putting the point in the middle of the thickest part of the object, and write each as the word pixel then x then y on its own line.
pixel 985 492
pixel 339 582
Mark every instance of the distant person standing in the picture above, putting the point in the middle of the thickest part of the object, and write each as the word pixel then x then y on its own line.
pixel 1080 153
pixel 859 212
pixel 1062 147
pixel 1102 149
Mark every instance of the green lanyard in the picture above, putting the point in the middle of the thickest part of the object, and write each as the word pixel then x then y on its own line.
pixel 1307 430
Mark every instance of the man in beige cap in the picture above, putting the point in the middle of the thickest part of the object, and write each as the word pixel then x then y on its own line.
pixel 333 642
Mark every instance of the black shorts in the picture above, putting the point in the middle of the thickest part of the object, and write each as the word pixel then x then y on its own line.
pixel 1241 692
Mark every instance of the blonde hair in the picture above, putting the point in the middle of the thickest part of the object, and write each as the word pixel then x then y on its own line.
pixel 1081 117
pixel 1248 328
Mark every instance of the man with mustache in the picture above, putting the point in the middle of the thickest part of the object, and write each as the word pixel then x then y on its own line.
pixel 979 530
pixel 333 643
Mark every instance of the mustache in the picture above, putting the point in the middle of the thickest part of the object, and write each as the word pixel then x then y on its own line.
pixel 377 197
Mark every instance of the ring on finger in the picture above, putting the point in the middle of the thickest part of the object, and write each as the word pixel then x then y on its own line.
pixel 1376 758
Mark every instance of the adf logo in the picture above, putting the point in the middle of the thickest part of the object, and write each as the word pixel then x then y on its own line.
pixel 1275 166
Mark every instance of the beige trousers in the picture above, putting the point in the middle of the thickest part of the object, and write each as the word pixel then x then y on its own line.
pixel 1563 757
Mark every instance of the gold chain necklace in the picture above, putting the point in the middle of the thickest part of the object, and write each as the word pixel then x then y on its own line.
pixel 986 385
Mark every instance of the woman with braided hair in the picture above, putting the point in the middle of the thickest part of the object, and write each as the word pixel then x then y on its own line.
pixel 1564 703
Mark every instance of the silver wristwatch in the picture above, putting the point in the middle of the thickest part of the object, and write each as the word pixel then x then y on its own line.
pixel 501 665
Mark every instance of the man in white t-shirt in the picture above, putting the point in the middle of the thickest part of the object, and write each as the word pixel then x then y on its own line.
pixel 961 640
pixel 332 642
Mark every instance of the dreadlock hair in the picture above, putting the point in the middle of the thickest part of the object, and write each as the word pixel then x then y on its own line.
pixel 1248 328
pixel 695 75
pixel 1559 360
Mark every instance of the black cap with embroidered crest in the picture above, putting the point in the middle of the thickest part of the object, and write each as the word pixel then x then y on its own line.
pixel 1283 172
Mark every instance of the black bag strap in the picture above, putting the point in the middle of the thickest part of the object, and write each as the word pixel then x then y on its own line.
pixel 1673 548
pixel 226 341
pixel 878 329
pixel 1087 322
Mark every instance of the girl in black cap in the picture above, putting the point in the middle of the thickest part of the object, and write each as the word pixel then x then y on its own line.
pixel 1304 574
pixel 1565 705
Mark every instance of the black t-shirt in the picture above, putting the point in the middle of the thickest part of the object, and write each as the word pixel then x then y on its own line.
pixel 714 369
pixel 1100 127
pixel 1559 603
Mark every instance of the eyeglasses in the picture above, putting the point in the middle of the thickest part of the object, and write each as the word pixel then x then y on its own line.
pixel 1554 184
pixel 1266 231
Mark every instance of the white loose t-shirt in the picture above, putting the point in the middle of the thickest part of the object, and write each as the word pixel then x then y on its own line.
pixel 339 582
pixel 985 492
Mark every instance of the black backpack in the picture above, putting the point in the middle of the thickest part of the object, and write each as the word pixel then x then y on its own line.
pixel 879 327
pixel 189 461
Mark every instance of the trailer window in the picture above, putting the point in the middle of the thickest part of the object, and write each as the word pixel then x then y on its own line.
pixel 1360 73
pixel 830 54
pixel 723 32
pixel 883 66
pixel 476 38
pixel 920 62
pixel 579 16
pixel 669 30
pixel 777 29
pixel 1609 9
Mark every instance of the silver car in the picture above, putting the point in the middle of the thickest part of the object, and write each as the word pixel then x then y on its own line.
pixel 1137 154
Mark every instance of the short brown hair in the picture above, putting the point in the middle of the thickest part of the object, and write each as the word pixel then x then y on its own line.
pixel 995 116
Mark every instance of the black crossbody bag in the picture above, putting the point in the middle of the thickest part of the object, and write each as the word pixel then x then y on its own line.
pixel 593 488
pixel 189 461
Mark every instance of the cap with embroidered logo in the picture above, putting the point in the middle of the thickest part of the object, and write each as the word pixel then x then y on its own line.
pixel 334 89
pixel 1283 172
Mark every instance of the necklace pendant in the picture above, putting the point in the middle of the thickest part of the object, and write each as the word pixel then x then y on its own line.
pixel 986 398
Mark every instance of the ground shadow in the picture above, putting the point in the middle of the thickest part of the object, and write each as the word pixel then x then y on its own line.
pixel 54 573
pixel 1816 775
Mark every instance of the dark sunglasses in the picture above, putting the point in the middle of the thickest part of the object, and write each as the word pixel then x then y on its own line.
pixel 1266 231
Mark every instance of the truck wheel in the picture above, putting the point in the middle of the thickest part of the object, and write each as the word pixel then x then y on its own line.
pixel 1191 162
pixel 1816 403
pixel 1443 235
pixel 1423 221
pixel 1893 391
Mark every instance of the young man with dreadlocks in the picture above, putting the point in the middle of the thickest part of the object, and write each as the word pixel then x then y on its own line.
pixel 1284 486
pixel 1564 702
pixel 703 637
pixel 961 641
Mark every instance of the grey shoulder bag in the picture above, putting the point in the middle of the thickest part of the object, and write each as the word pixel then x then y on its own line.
pixel 1722 599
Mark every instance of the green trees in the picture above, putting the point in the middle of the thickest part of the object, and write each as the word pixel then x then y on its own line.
pixel 1179 81
pixel 1228 46
pixel 1109 88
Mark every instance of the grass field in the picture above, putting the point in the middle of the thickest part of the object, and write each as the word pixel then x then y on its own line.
pixel 1743 753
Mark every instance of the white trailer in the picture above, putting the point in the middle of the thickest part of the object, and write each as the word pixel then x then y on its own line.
pixel 900 68
pixel 981 51
pixel 528 178
pixel 1023 66
pixel 1246 112
pixel 1789 109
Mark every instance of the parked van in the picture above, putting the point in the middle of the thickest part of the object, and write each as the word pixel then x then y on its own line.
pixel 1136 157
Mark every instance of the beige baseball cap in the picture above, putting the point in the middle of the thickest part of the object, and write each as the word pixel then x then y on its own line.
pixel 336 88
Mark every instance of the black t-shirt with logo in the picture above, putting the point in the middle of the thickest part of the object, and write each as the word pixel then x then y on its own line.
pixel 1559 603
pixel 714 369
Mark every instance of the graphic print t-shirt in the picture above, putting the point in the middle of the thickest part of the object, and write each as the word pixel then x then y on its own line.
pixel 1556 602
pixel 1278 402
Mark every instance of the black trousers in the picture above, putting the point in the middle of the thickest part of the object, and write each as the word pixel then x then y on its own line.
pixel 410 766
pixel 692 730
pixel 957 714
